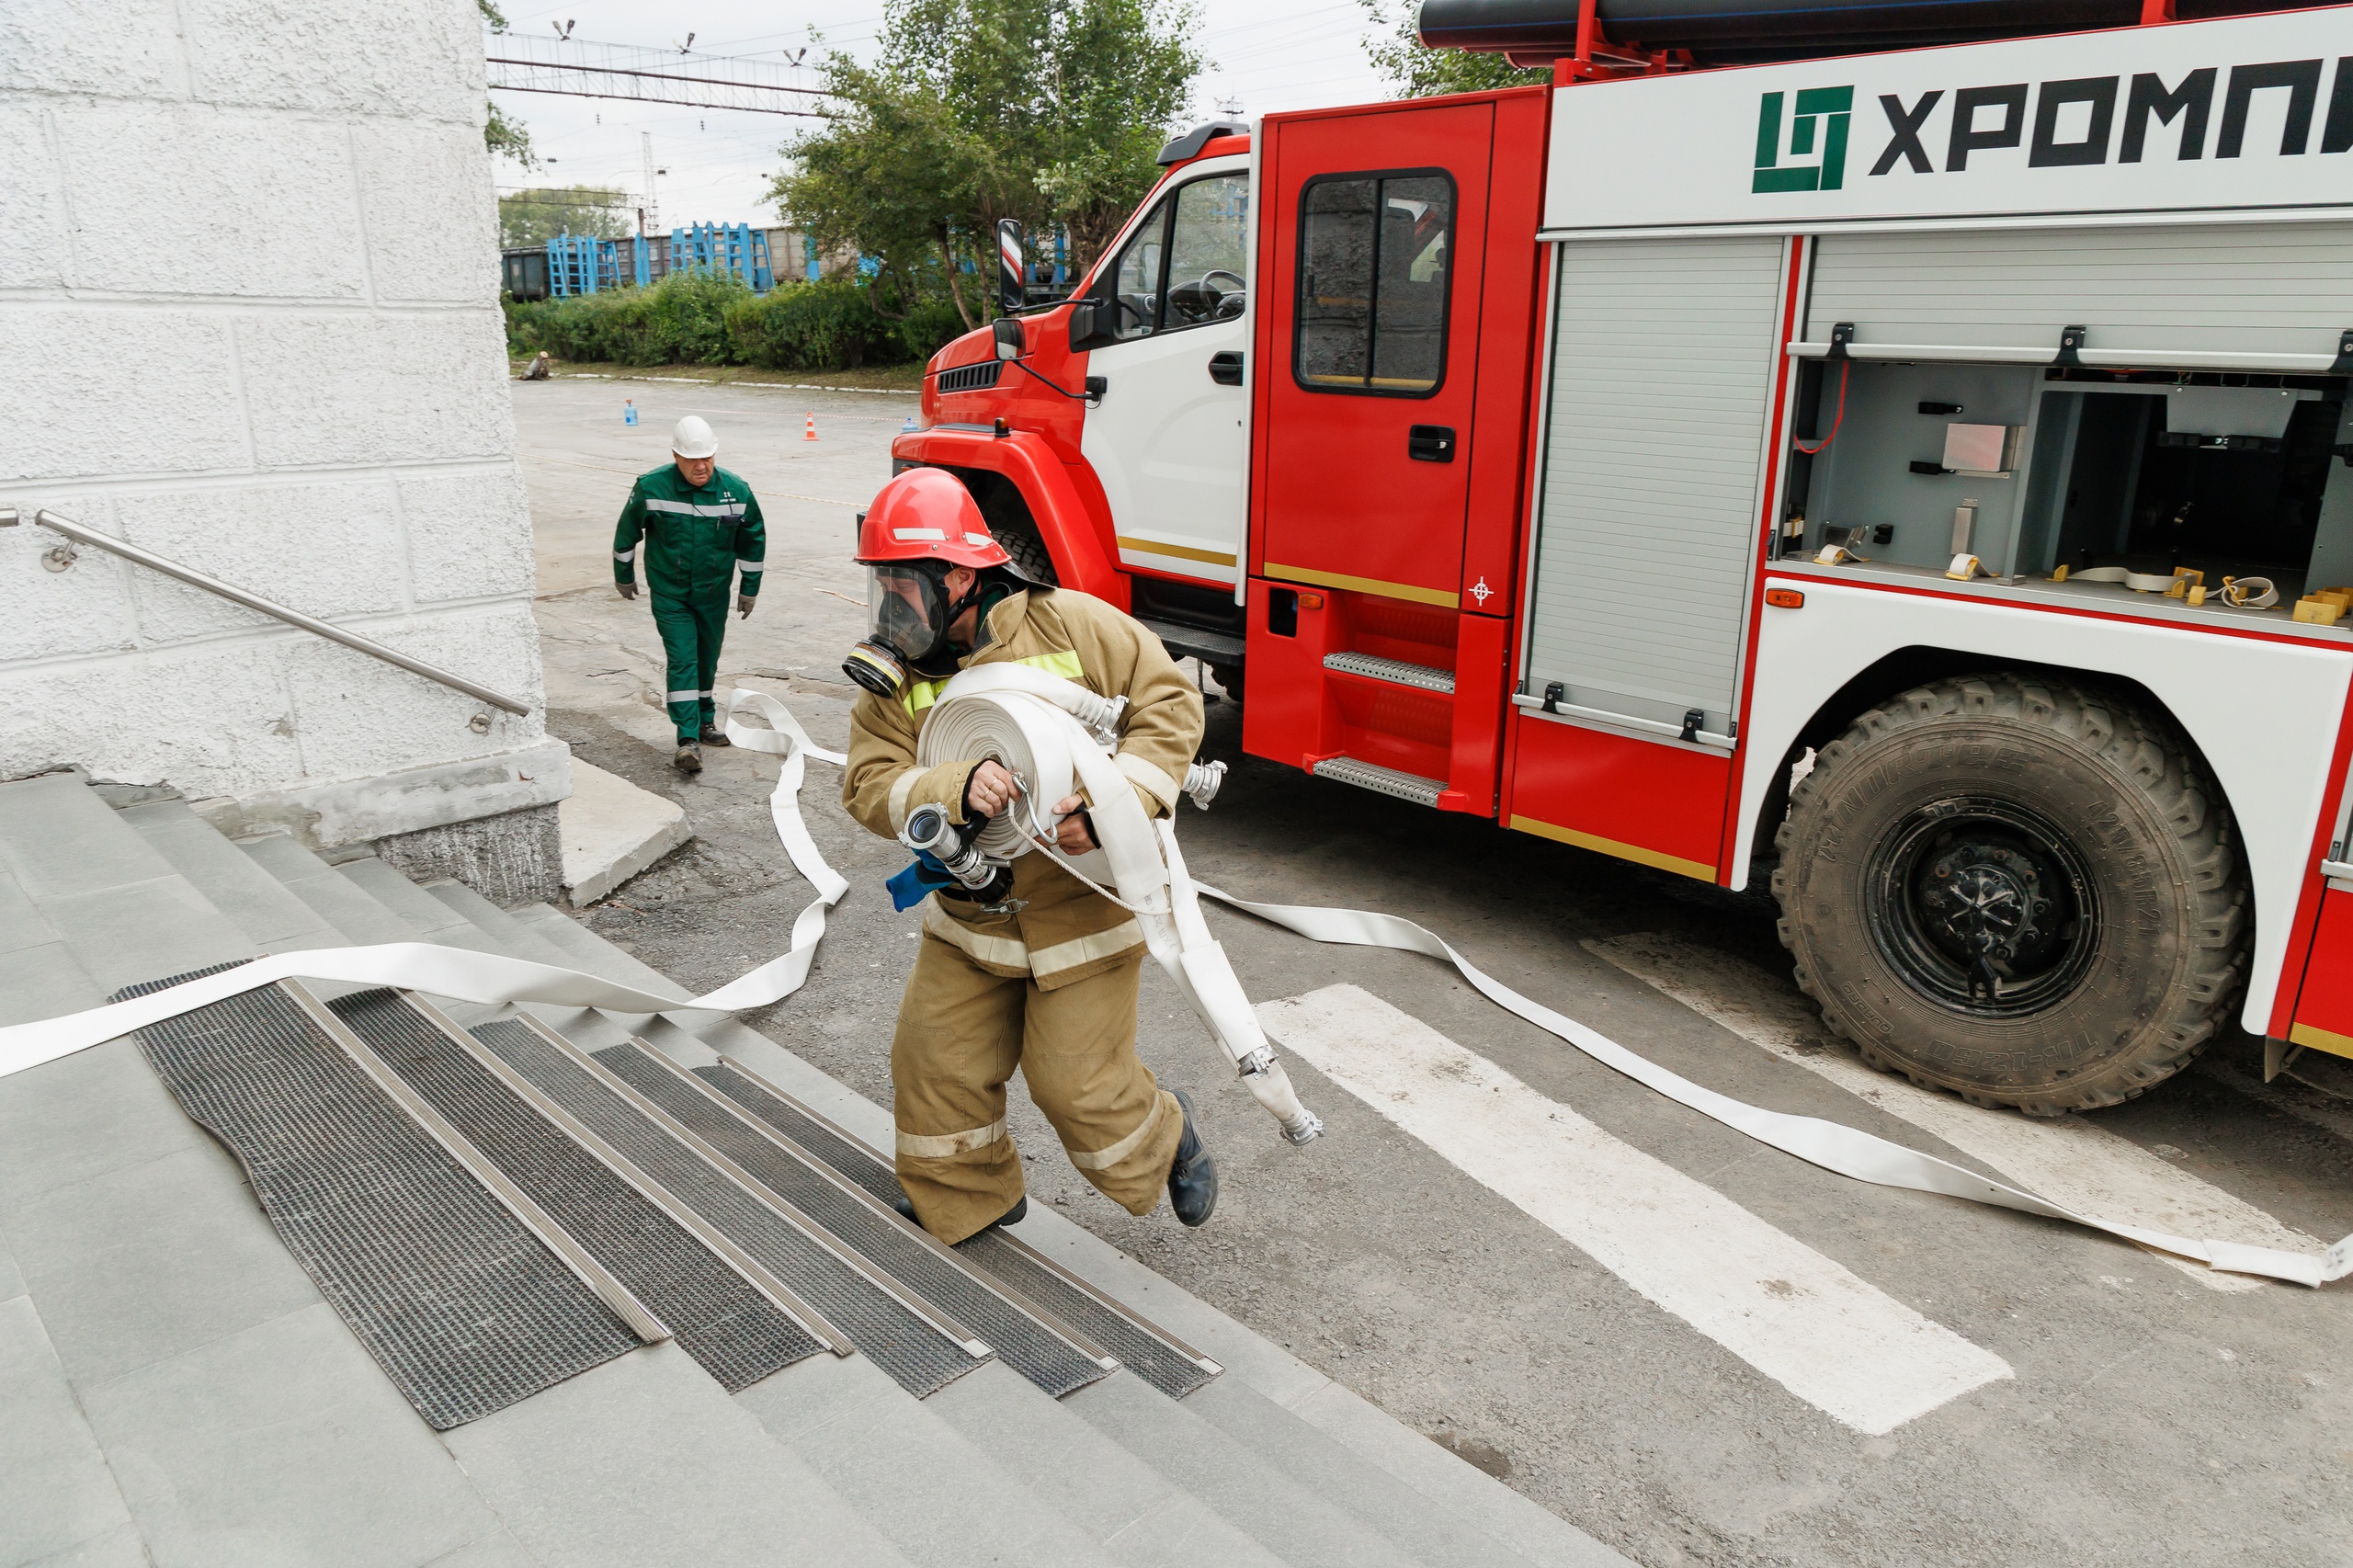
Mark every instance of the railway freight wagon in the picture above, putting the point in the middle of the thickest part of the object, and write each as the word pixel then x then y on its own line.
pixel 1921 477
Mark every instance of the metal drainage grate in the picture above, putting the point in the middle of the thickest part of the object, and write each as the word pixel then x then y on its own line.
pixel 1166 1363
pixel 1381 780
pixel 1030 1348
pixel 465 1310
pixel 917 1355
pixel 1396 671
pixel 734 1333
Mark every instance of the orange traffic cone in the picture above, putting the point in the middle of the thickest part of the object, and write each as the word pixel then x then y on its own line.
pixel 810 434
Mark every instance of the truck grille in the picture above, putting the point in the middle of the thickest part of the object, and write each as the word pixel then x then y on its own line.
pixel 972 378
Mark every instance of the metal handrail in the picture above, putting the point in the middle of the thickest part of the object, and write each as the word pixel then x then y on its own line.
pixel 83 534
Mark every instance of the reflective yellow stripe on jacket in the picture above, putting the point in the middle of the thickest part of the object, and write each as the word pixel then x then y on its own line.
pixel 924 693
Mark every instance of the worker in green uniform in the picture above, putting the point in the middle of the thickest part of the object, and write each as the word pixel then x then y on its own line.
pixel 701 527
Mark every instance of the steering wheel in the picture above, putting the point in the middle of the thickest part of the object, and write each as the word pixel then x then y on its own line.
pixel 1241 284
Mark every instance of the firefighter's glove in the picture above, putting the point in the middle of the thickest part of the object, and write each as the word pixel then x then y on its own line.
pixel 918 882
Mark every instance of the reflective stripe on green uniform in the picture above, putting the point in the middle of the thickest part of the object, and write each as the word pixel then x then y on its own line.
pixel 697 538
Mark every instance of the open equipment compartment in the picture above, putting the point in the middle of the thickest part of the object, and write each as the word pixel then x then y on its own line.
pixel 2059 398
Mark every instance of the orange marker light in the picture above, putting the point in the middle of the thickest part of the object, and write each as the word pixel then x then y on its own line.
pixel 1785 598
pixel 1311 601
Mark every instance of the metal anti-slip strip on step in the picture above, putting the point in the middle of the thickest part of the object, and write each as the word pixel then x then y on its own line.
pixel 739 1325
pixel 1017 1268
pixel 917 1347
pixel 1397 672
pixel 595 1275
pixel 465 1309
pixel 1380 780
pixel 1057 1360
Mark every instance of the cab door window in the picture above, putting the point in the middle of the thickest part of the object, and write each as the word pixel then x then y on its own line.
pixel 1373 254
pixel 1209 252
pixel 1186 264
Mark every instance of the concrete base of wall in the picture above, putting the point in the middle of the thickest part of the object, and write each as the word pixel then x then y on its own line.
pixel 514 857
pixel 613 830
pixel 327 817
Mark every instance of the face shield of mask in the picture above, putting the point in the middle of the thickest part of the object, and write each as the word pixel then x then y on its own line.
pixel 907 608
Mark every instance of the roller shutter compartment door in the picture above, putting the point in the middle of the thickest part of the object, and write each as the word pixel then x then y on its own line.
pixel 2203 289
pixel 1662 375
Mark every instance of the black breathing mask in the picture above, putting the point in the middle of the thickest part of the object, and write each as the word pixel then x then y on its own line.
pixel 909 611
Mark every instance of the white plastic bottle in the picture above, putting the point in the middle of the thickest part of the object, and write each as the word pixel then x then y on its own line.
pixel 629 412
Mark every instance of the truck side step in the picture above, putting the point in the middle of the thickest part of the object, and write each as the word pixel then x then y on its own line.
pixel 1396 671
pixel 1194 643
pixel 1011 1264
pixel 1381 780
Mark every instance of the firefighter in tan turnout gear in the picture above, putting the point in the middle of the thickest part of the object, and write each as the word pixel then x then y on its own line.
pixel 1041 974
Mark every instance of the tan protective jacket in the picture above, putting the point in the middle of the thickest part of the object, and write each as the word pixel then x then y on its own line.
pixel 1066 931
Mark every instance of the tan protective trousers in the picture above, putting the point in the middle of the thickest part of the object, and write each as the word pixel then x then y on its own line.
pixel 961 1032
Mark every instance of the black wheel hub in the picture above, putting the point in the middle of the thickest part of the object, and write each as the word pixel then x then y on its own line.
pixel 1983 906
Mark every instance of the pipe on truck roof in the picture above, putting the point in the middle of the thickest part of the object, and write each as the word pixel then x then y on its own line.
pixel 1725 32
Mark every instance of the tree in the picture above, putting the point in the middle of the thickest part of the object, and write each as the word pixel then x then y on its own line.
pixel 505 138
pixel 537 214
pixel 1041 110
pixel 1416 71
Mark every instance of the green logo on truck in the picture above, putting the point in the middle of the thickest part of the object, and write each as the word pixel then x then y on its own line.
pixel 1819 121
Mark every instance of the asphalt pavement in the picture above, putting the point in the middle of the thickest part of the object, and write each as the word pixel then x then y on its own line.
pixel 1695 1347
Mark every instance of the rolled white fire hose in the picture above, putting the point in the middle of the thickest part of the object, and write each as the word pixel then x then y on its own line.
pixel 481 977
pixel 1038 727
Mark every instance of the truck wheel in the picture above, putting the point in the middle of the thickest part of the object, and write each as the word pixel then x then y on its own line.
pixel 1020 537
pixel 2016 888
pixel 1230 677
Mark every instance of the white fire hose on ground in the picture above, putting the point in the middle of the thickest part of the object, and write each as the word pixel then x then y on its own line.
pixel 1199 966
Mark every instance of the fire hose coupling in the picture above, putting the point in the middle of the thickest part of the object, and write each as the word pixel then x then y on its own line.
pixel 928 831
pixel 1201 783
pixel 1259 1071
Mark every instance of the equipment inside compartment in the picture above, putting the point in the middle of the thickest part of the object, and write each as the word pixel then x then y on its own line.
pixel 2234 474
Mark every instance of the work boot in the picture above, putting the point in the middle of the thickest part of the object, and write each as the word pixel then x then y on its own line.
pixel 1192 1179
pixel 689 757
pixel 712 736
pixel 1012 1216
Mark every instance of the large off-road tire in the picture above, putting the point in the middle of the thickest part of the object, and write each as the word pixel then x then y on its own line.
pixel 2015 888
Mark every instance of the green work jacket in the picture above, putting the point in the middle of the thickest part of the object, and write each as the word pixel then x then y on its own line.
pixel 695 540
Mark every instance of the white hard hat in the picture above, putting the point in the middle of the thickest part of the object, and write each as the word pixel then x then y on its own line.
pixel 692 438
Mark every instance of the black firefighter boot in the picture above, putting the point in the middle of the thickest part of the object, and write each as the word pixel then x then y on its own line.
pixel 1012 1216
pixel 1192 1179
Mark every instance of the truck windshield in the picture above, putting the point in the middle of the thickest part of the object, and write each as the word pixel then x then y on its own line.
pixel 1372 272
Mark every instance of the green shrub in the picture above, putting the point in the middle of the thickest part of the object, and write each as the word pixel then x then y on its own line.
pixel 700 318
pixel 929 324
pixel 682 320
pixel 825 325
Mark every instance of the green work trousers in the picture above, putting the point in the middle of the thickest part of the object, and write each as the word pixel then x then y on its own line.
pixel 691 634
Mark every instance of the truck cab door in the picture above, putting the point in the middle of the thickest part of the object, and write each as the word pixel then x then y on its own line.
pixel 1373 315
pixel 1166 441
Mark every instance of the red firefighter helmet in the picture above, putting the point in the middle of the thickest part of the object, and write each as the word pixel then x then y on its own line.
pixel 926 514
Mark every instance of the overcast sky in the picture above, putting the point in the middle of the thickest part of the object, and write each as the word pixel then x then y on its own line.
pixel 1269 54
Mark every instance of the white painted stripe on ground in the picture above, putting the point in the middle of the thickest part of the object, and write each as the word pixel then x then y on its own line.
pixel 1801 1319
pixel 2068 1159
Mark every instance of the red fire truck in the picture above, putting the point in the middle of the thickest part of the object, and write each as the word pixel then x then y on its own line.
pixel 1901 450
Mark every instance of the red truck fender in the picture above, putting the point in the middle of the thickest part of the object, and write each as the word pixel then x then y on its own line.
pixel 1065 524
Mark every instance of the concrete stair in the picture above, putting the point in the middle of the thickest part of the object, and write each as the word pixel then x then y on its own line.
pixel 178 1389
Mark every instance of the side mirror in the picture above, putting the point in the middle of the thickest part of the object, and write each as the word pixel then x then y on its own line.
pixel 1009 345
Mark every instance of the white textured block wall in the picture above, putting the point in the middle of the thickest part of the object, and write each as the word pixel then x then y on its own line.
pixel 248 320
